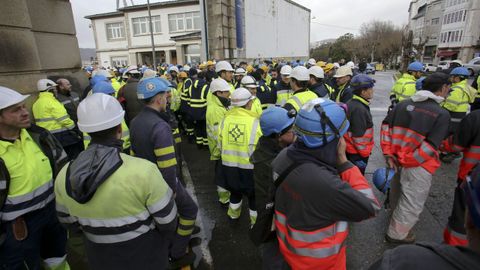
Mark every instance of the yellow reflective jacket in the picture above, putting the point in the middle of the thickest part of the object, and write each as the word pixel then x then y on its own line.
pixel 50 114
pixel 460 97
pixel 214 116
pixel 404 87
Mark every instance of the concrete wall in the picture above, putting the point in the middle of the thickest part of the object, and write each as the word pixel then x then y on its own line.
pixel 34 46
pixel 221 28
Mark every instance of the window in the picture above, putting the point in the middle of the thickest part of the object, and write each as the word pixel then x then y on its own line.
pixel 464 15
pixel 115 31
pixel 435 21
pixel 460 15
pixel 460 37
pixel 192 53
pixel 184 21
pixel 119 61
pixel 141 25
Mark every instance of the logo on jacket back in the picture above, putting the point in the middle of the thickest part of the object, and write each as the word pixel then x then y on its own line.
pixel 237 134
pixel 410 108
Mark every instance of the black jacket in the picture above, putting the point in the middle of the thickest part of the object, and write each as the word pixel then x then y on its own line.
pixel 128 97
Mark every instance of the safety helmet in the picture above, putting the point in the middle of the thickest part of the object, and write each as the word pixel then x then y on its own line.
pixel 97 78
pixel 250 69
pixel 99 112
pixel 471 189
pixel 223 65
pixel 321 64
pixel 182 74
pixel 173 69
pixel 382 178
pixel 186 68
pixel 311 62
pixel 104 72
pixel 240 97
pixel 361 81
pixel 275 120
pixel 300 73
pixel 249 82
pixel 104 88
pixel 132 70
pixel 149 87
pixel 9 97
pixel 89 69
pixel 350 64
pixel 45 84
pixel 317 72
pixel 286 70
pixel 415 66
pixel 336 65
pixel 143 69
pixel 460 71
pixel 210 63
pixel 149 73
pixel 328 67
pixel 419 83
pixel 219 84
pixel 240 71
pixel 319 122
pixel 343 71
pixel 202 66
pixel 264 68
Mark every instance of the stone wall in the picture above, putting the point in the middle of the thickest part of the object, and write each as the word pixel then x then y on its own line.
pixel 221 28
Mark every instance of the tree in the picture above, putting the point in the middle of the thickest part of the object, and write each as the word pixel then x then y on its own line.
pixel 343 47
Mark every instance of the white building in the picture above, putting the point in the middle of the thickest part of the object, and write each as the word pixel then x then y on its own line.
pixel 123 37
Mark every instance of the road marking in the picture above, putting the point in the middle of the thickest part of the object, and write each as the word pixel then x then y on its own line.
pixel 206 255
pixel 379 109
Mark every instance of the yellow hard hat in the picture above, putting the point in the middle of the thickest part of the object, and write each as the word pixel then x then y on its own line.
pixel 202 66
pixel 321 64
pixel 264 68
pixel 183 74
pixel 328 67
pixel 249 68
pixel 210 63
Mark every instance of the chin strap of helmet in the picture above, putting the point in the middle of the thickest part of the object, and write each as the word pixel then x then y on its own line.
pixel 324 121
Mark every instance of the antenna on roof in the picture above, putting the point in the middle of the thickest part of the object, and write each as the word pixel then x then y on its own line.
pixel 125 4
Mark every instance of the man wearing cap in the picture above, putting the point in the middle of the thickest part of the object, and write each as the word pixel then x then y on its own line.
pixel 50 114
pixel 316 83
pixel 276 124
pixel 301 94
pixel 237 137
pixel 282 89
pixel 343 92
pixel 152 139
pixel 216 111
pixel 30 234
pixel 127 95
pixel 126 224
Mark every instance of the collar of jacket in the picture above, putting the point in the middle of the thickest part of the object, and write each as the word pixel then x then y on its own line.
pixel 460 83
pixel 241 112
pixel 153 111
pixel 409 77
pixel 301 91
pixel 325 156
pixel 423 95
pixel 267 149
pixel 362 100
pixel 115 143
pixel 220 101
pixel 46 94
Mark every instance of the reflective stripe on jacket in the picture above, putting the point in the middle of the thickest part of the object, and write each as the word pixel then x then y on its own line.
pixel 125 137
pixel 299 98
pixel 404 87
pixel 459 99
pixel 359 137
pixel 215 113
pixel 50 114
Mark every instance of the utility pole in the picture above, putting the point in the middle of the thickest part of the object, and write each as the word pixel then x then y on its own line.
pixel 151 36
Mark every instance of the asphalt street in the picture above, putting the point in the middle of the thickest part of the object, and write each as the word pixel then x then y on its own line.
pixel 226 244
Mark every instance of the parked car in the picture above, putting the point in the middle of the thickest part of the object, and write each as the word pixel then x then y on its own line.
pixel 370 69
pixel 442 65
pixel 473 66
pixel 429 68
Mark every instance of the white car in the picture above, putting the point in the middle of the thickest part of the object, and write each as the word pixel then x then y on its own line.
pixel 442 65
pixel 429 68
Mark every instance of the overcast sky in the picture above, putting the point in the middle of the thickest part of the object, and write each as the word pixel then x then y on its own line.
pixel 331 18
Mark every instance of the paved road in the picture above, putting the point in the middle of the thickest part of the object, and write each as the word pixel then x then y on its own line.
pixel 226 243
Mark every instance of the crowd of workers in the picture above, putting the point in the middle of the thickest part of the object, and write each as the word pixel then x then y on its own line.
pixel 104 167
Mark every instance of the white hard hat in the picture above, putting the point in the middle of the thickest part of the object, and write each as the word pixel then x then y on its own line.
pixel 350 64
pixel 317 72
pixel 148 73
pixel 249 82
pixel 343 71
pixel 240 97
pixel 223 65
pixel 9 97
pixel 99 112
pixel 219 85
pixel 300 73
pixel 174 68
pixel 240 71
pixel 186 68
pixel 132 70
pixel 104 73
pixel 336 65
pixel 286 70
pixel 312 61
pixel 45 84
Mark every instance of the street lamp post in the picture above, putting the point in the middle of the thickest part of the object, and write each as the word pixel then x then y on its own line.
pixel 151 36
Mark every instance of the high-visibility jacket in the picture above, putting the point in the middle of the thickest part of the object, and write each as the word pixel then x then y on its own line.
pixel 265 95
pixel 198 99
pixel 116 214
pixel 125 137
pixel 31 178
pixel 215 113
pixel 50 114
pixel 342 93
pixel 359 137
pixel 232 87
pixel 314 204
pixel 237 137
pixel 70 102
pixel 257 107
pixel 116 86
pixel 413 131
pixel 322 90
pixel 184 89
pixel 478 87
pixel 175 102
pixel 283 93
pixel 299 98
pixel 458 100
pixel 404 87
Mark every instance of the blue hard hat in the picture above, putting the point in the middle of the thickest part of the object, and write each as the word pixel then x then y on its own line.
pixel 143 69
pixel 415 66
pixel 382 178
pixel 149 87
pixel 471 189
pixel 460 71
pixel 103 87
pixel 89 68
pixel 362 81
pixel 419 83
pixel 319 122
pixel 275 120
pixel 97 78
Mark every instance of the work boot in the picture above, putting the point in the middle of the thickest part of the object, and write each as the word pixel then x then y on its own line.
pixel 410 239
pixel 234 210
pixel 185 260
pixel 223 195
pixel 253 217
